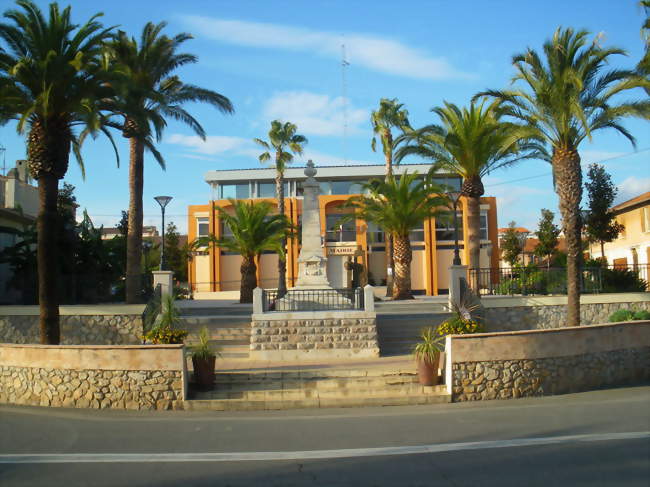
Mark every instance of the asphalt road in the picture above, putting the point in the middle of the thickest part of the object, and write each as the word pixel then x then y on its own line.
pixel 595 438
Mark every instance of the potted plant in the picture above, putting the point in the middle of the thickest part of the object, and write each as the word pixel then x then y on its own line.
pixel 427 355
pixel 203 358
pixel 163 321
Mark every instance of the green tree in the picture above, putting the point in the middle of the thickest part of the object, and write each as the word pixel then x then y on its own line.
pixel 175 253
pixel 390 115
pixel 398 206
pixel 254 228
pixel 600 222
pixel 547 234
pixel 644 64
pixel 511 245
pixel 569 94
pixel 471 142
pixel 52 82
pixel 284 143
pixel 148 92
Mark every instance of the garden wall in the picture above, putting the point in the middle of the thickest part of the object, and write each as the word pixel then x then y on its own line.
pixel 540 362
pixel 80 325
pixel 513 313
pixel 99 377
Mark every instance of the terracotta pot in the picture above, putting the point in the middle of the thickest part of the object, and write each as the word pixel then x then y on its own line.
pixel 428 372
pixel 204 372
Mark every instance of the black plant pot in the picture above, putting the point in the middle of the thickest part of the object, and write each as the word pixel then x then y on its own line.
pixel 204 372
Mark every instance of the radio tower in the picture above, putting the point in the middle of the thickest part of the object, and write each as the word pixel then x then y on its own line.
pixel 344 93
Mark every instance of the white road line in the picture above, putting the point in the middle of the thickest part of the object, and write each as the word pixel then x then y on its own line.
pixel 309 454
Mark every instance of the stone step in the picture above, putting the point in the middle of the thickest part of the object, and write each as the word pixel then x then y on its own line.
pixel 320 384
pixel 217 321
pixel 217 311
pixel 316 402
pixel 312 374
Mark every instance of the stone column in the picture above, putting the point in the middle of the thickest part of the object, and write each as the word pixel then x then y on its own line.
pixel 457 283
pixel 165 279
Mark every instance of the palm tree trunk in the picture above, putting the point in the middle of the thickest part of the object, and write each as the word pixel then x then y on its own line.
pixel 403 257
pixel 134 234
pixel 474 232
pixel 248 279
pixel 568 185
pixel 602 249
pixel 282 263
pixel 390 251
pixel 48 262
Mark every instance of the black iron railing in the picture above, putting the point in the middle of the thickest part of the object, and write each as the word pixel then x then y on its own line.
pixel 313 300
pixel 525 281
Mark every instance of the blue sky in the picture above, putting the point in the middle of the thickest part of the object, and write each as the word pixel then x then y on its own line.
pixel 282 59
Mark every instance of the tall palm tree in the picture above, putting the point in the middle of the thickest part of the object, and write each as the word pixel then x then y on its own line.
pixel 644 64
pixel 51 81
pixel 254 228
pixel 398 206
pixel 147 94
pixel 470 142
pixel 390 115
pixel 565 98
pixel 284 143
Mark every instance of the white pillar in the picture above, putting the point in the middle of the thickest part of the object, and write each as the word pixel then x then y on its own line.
pixel 166 281
pixel 456 273
pixel 257 301
pixel 368 298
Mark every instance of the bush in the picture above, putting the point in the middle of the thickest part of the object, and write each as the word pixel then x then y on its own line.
pixel 165 335
pixel 459 326
pixel 622 281
pixel 629 315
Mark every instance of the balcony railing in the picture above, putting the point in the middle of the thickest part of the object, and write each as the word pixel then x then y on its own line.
pixel 313 300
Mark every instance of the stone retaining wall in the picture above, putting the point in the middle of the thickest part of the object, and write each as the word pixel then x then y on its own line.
pixel 84 326
pixel 540 313
pixel 100 377
pixel 323 334
pixel 534 363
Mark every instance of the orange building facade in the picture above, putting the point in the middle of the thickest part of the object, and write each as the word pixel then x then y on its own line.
pixel 214 270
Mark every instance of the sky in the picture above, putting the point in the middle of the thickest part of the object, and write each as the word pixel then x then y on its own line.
pixel 282 60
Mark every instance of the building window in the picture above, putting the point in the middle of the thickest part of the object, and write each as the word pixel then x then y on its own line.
pixel 267 190
pixel 375 234
pixel 345 187
pixel 225 230
pixel 417 234
pixel 645 219
pixel 202 227
pixel 236 191
pixel 484 227
pixel 337 232
pixel 445 228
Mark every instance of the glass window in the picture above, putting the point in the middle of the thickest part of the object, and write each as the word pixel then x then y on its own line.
pixel 225 230
pixel 417 234
pixel 325 187
pixel 345 187
pixel 445 229
pixel 267 190
pixel 337 232
pixel 453 183
pixel 375 234
pixel 237 191
pixel 202 227
pixel 484 225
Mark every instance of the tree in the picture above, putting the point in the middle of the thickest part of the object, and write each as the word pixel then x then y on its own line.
pixel 123 224
pixel 547 234
pixel 399 205
pixel 254 228
pixel 175 254
pixel 51 81
pixel 390 115
pixel 147 94
pixel 471 142
pixel 568 95
pixel 643 67
pixel 511 244
pixel 600 222
pixel 284 142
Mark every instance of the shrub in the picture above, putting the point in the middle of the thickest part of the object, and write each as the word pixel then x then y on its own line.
pixel 429 346
pixel 629 315
pixel 457 325
pixel 165 335
pixel 622 281
pixel 642 315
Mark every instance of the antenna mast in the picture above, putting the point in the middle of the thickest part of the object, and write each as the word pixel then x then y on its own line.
pixel 344 94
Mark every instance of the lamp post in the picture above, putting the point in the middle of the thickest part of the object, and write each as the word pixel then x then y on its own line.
pixel 454 196
pixel 163 201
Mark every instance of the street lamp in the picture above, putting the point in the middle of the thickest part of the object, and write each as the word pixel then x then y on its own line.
pixel 163 201
pixel 454 196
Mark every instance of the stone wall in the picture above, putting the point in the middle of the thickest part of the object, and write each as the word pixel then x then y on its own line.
pixel 78 327
pixel 533 363
pixel 117 377
pixel 325 334
pixel 539 313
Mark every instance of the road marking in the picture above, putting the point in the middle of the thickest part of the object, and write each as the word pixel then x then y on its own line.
pixel 310 454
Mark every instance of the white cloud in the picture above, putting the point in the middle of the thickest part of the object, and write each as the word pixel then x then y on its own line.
pixel 632 187
pixel 590 156
pixel 313 113
pixel 325 159
pixel 375 53
pixel 213 144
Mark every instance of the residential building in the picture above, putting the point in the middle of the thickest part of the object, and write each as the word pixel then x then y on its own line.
pixel 111 232
pixel 632 247
pixel 529 245
pixel 218 270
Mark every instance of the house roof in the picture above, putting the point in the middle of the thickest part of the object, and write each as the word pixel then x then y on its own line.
pixel 634 202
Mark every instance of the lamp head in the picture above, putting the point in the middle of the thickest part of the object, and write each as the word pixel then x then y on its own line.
pixel 163 200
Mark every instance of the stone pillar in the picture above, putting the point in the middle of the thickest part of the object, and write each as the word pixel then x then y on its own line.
pixel 166 281
pixel 258 307
pixel 457 283
pixel 369 298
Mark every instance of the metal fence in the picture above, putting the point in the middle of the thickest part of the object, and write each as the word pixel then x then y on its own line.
pixel 531 280
pixel 313 300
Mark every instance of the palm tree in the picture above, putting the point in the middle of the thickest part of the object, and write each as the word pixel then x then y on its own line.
pixel 254 228
pixel 390 115
pixel 566 98
pixel 471 142
pixel 51 81
pixel 399 205
pixel 147 94
pixel 644 64
pixel 284 142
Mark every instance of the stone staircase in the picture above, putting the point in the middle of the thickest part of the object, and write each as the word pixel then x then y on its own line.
pixel 229 329
pixel 315 388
